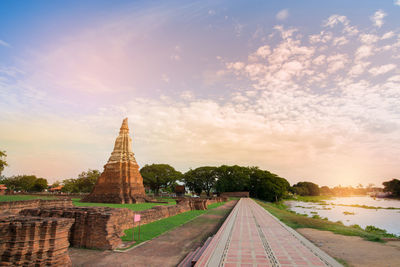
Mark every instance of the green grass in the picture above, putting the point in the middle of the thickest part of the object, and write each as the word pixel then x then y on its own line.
pixel 316 199
pixel 135 207
pixel 22 197
pixel 154 229
pixel 343 262
pixel 295 221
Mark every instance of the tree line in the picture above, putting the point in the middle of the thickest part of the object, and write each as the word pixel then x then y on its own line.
pixel 259 183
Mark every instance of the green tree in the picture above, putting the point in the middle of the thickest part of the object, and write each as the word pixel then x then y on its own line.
pixel 266 185
pixel 158 176
pixel 83 184
pixel 392 186
pixel 70 186
pixel 39 185
pixel 232 178
pixel 202 178
pixel 3 162
pixel 87 180
pixel 306 189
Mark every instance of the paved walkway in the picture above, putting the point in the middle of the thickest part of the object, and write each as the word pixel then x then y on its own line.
pixel 251 236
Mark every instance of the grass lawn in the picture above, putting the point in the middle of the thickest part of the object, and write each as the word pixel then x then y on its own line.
pixel 154 229
pixel 294 220
pixel 135 207
pixel 22 197
pixel 311 198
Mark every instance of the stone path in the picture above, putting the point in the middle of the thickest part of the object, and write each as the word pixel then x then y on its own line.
pixel 251 236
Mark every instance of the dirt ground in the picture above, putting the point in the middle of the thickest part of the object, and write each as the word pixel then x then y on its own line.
pixel 166 250
pixel 355 250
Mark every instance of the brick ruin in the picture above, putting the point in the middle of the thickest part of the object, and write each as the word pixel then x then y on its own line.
pixel 14 207
pixel 43 230
pixel 33 241
pixel 121 181
pixel 93 227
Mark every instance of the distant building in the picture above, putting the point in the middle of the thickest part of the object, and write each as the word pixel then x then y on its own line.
pixel 3 189
pixel 180 190
pixel 56 189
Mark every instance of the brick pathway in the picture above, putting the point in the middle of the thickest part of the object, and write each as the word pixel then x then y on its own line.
pixel 251 236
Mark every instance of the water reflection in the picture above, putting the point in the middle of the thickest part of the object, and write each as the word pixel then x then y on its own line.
pixel 382 218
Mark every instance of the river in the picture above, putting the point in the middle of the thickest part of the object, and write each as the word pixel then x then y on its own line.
pixel 388 219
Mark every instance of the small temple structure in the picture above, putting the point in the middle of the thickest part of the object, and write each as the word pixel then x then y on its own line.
pixel 121 181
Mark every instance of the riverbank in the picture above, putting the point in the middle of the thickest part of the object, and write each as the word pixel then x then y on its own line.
pixel 353 250
pixel 296 221
pixel 351 246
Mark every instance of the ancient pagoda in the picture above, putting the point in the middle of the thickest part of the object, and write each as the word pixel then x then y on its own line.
pixel 120 181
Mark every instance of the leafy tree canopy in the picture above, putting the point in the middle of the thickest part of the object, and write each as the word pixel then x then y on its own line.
pixel 158 176
pixel 25 183
pixel 202 178
pixel 392 186
pixel 306 189
pixel 3 162
pixel 83 184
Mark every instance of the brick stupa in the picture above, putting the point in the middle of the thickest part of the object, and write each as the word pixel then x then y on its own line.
pixel 120 181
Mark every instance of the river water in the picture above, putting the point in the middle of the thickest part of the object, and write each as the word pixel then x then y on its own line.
pixel 388 219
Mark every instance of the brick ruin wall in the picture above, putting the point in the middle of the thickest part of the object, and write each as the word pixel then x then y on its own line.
pixel 102 227
pixel 33 241
pixel 93 227
pixel 14 207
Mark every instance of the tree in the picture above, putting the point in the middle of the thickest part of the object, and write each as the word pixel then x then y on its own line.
pixel 202 178
pixel 39 185
pixel 232 178
pixel 83 184
pixel 87 180
pixel 306 189
pixel 158 176
pixel 393 187
pixel 325 190
pixel 266 185
pixel 20 182
pixel 3 162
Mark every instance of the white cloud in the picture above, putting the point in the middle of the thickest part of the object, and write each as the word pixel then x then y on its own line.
pixel 388 35
pixel 211 12
pixel 4 43
pixel 363 52
pixel 377 18
pixel 382 69
pixel 282 15
pixel 340 41
pixel 334 20
pixel 236 65
pixel 396 2
pixel 263 51
pixel 358 68
pixel 368 38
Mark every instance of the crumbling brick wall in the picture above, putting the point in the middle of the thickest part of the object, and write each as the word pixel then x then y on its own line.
pixel 14 207
pixel 33 241
pixel 161 212
pixel 93 227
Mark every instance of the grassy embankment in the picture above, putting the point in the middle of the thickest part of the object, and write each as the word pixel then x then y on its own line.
pixel 22 197
pixel 134 207
pixel 295 221
pixel 154 229
pixel 321 200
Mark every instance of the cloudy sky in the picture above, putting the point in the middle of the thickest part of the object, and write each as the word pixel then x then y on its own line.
pixel 308 89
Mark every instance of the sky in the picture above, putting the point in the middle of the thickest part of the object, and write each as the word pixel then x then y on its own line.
pixel 309 90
